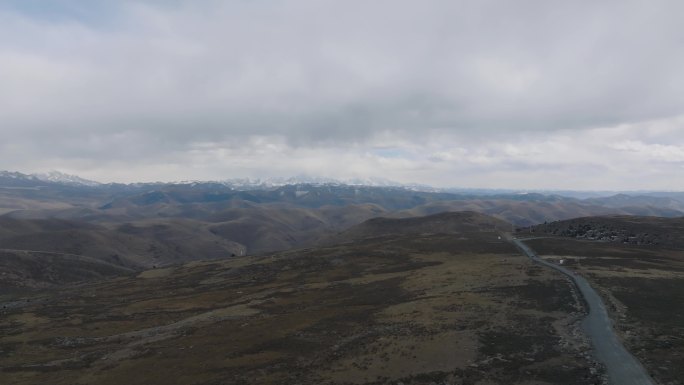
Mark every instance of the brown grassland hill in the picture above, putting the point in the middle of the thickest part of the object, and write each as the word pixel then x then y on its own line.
pixel 146 239
pixel 445 222
pixel 138 245
pixel 441 301
pixel 33 269
pixel 519 212
pixel 635 230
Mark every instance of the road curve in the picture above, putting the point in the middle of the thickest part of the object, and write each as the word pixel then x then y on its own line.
pixel 622 367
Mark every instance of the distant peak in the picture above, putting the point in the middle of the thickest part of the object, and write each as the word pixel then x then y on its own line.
pixel 249 183
pixel 60 177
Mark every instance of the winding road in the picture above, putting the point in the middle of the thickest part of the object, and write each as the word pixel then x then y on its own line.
pixel 621 366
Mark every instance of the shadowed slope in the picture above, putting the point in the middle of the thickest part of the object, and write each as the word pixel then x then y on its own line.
pixel 442 223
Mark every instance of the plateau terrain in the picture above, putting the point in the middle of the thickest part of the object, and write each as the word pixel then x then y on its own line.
pixel 219 283
pixel 438 299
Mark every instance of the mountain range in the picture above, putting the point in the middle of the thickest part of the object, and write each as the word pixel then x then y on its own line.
pixel 144 225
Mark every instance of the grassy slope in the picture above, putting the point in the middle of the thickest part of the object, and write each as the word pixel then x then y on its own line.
pixel 27 269
pixel 411 308
pixel 637 230
pixel 133 245
pixel 447 222
pixel 159 237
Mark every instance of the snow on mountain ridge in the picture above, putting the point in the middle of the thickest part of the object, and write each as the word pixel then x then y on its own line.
pixel 60 177
pixel 241 183
pixel 16 175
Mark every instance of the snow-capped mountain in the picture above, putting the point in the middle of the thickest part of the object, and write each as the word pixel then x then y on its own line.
pixel 60 177
pixel 249 183
pixel 16 175
pixel 21 179
pixel 13 179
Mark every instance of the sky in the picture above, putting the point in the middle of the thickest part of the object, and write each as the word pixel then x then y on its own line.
pixel 581 95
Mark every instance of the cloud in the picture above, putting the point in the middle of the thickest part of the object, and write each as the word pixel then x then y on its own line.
pixel 221 88
pixel 658 152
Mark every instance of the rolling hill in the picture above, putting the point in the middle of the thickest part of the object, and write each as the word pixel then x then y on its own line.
pixel 467 222
pixel 138 226
pixel 128 246
pixel 635 230
pixel 34 269
pixel 448 304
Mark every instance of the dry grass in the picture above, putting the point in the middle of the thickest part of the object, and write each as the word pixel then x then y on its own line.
pixel 378 311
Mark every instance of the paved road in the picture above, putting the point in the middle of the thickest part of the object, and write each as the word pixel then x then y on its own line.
pixel 622 368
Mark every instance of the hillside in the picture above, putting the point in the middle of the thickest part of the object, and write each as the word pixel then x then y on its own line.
pixel 132 245
pixel 434 307
pixel 144 225
pixel 465 222
pixel 140 242
pixel 635 230
pixel 34 269
pixel 673 202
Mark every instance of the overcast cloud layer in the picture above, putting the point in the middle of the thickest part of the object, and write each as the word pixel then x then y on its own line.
pixel 510 94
